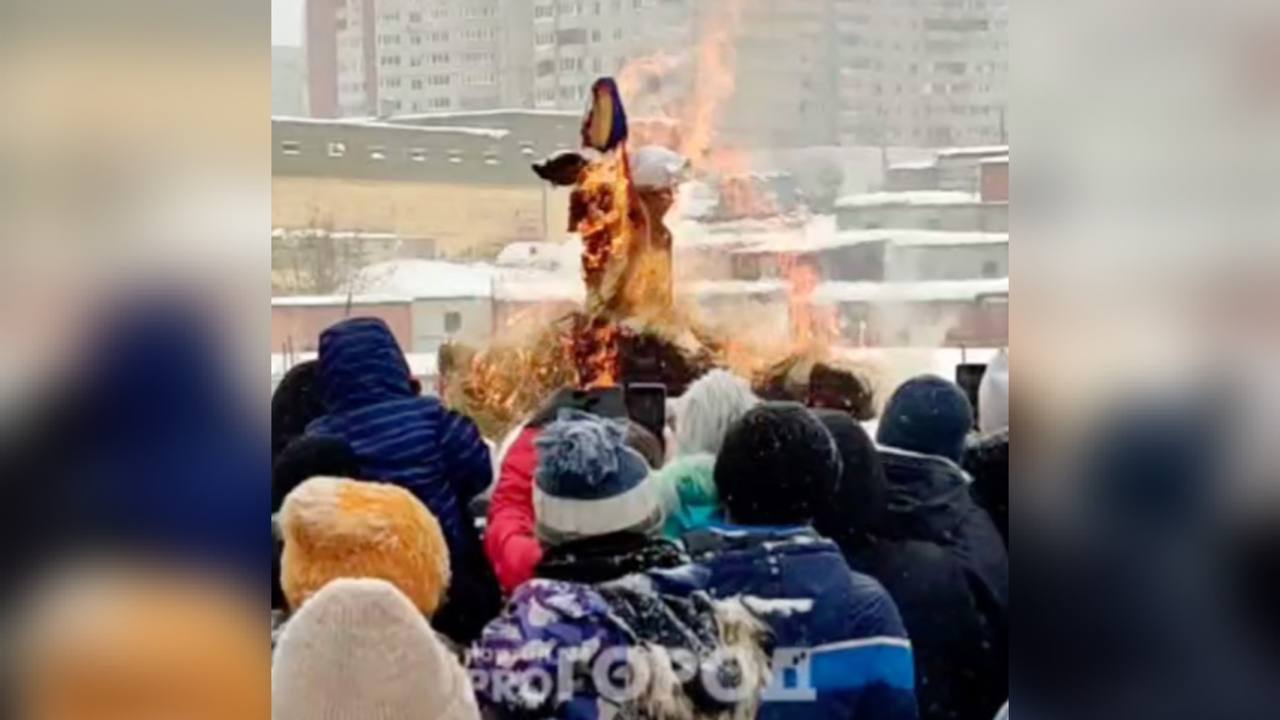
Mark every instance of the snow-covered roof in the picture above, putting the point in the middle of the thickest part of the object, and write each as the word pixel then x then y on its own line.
pixel 487 113
pixel 546 255
pixel 337 299
pixel 908 197
pixel 544 287
pixel 1003 159
pixel 494 133
pixel 816 241
pixel 916 165
pixel 974 151
pixel 716 288
pixel 417 279
pixel 922 291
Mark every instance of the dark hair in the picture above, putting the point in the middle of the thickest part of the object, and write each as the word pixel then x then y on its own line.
pixel 294 404
pixel 855 512
pixel 777 465
pixel 307 457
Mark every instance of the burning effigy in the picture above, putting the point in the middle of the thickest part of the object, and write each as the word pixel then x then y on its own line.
pixel 629 329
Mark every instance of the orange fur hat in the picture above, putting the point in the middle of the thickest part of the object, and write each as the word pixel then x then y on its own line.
pixel 335 528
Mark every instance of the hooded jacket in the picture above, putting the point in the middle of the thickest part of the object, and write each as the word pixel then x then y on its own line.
pixel 929 500
pixel 415 442
pixel 556 629
pixel 510 541
pixel 837 627
pixel 961 660
pixel 987 460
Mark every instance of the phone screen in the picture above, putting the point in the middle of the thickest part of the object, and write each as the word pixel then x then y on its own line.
pixel 647 405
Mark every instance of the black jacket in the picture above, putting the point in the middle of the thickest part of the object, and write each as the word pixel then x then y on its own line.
pixel 946 567
pixel 987 460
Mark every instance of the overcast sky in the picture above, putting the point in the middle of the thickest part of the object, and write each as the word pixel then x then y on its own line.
pixel 286 22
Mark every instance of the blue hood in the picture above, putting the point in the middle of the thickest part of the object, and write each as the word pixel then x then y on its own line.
pixel 360 365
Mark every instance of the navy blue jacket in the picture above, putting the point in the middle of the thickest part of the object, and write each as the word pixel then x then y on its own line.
pixel 854 648
pixel 929 500
pixel 414 442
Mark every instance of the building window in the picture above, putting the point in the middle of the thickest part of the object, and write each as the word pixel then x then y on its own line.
pixel 418 154
pixel 337 149
pixel 291 147
pixel 377 152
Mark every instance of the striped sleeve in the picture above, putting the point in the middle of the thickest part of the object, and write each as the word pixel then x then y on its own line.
pixel 465 455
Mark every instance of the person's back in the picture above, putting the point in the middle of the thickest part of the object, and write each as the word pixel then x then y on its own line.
pixel 609 585
pixel 837 633
pixel 415 442
pixel 961 669
pixel 856 650
pixel 922 438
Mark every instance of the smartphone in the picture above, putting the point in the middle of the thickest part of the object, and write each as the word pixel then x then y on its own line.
pixel 647 405
pixel 969 378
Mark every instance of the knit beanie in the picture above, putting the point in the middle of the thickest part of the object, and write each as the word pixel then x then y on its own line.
pixel 359 650
pixel 335 528
pixel 307 457
pixel 927 415
pixel 777 465
pixel 856 512
pixel 707 409
pixel 687 487
pixel 589 483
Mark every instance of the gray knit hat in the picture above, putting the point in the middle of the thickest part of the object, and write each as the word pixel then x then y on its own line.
pixel 359 650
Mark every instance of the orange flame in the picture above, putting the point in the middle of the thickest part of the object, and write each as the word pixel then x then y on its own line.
pixel 813 327
pixel 605 198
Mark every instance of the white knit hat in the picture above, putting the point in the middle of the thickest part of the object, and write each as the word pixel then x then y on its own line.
pixel 359 650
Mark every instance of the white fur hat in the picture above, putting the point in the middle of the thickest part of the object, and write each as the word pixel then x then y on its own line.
pixel 359 650
pixel 707 409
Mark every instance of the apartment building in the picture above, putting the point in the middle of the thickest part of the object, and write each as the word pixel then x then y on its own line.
pixel 923 73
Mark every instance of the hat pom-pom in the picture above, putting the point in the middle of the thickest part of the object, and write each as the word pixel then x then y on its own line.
pixel 580 445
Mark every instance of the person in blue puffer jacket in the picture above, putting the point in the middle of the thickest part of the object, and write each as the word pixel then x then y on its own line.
pixel 840 647
pixel 415 442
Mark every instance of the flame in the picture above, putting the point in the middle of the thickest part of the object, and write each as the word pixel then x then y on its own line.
pixel 606 197
pixel 714 83
pixel 813 327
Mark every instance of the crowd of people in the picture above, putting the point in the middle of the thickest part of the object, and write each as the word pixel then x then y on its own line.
pixel 754 559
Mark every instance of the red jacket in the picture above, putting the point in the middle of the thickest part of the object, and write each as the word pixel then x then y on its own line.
pixel 509 538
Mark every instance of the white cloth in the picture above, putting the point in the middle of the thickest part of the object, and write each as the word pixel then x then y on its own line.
pixel 993 395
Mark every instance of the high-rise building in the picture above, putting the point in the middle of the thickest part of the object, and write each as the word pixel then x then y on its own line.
pixel 388 57
pixel 288 81
pixel 743 73
pixel 577 41
pixel 923 73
